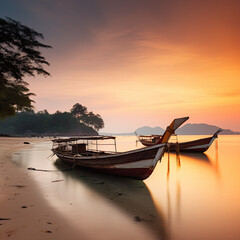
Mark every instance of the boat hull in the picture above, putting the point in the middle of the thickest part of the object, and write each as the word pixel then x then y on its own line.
pixel 200 145
pixel 138 164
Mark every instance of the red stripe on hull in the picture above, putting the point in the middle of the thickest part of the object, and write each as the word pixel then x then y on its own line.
pixel 136 173
pixel 185 146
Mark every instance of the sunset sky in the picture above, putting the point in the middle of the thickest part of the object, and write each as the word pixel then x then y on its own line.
pixel 138 62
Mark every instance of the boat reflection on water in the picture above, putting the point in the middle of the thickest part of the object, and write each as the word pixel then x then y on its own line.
pixel 211 161
pixel 175 182
pixel 129 195
pixel 195 156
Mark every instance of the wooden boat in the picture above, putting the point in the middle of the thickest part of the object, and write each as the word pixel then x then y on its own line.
pixel 200 145
pixel 138 163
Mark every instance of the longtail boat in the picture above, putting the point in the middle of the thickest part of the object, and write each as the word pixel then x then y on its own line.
pixel 199 145
pixel 137 163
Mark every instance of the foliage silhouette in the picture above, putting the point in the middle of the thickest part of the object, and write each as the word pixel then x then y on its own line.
pixel 19 57
pixel 59 123
pixel 89 118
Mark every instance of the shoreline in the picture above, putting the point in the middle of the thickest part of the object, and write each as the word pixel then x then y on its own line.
pixel 24 213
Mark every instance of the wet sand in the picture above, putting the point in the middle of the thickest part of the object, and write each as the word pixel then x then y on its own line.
pixel 24 214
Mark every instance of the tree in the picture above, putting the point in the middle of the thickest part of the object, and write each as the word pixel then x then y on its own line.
pixel 78 110
pixel 19 57
pixel 89 118
pixel 93 120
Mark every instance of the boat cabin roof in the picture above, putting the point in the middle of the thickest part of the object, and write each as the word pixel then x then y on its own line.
pixel 155 135
pixel 99 137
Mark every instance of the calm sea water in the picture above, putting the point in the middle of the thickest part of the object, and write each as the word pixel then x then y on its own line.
pixel 198 198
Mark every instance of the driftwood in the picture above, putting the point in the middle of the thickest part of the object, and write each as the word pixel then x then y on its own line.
pixel 57 181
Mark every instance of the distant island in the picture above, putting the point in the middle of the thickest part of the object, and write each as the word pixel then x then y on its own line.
pixel 203 129
pixel 188 129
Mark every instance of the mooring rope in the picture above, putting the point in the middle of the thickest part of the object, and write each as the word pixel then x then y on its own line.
pixel 51 155
pixel 62 170
pixel 75 162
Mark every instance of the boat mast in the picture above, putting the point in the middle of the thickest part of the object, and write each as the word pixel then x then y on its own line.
pixel 171 128
pixel 115 144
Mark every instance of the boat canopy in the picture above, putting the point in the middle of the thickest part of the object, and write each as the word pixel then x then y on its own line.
pixel 99 137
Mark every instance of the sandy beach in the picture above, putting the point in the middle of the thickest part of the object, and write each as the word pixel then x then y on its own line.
pixel 24 214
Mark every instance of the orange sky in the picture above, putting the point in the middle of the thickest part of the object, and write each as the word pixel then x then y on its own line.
pixel 139 62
